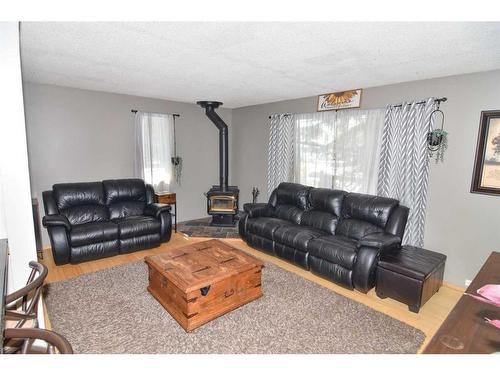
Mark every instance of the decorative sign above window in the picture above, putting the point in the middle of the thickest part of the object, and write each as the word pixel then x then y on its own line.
pixel 339 100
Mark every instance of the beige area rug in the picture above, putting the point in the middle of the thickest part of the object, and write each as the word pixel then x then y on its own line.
pixel 110 311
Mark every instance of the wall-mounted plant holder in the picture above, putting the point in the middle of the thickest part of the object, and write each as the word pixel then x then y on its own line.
pixel 437 139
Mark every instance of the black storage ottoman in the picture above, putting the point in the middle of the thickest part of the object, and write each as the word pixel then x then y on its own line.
pixel 410 275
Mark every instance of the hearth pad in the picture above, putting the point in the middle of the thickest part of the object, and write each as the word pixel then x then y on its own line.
pixel 202 228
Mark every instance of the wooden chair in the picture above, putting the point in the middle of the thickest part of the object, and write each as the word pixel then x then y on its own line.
pixel 22 307
pixel 55 342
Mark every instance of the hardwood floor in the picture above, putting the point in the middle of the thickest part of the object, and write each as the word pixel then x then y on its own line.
pixel 428 320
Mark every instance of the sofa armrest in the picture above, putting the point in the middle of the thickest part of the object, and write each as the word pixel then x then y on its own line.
pixel 59 239
pixel 364 269
pixel 242 224
pixel 257 209
pixel 151 197
pixel 381 241
pixel 56 220
pixel 156 209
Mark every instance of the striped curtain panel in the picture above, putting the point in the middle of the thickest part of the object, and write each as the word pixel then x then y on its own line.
pixel 281 153
pixel 404 162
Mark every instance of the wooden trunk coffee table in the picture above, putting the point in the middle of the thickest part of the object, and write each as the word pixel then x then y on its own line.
pixel 200 282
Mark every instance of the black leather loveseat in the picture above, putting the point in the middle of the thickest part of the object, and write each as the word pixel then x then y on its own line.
pixel 91 220
pixel 333 233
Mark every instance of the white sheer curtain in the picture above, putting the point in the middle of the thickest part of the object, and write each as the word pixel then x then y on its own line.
pixel 339 149
pixel 154 147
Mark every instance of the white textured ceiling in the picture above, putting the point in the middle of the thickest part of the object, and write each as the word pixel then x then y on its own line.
pixel 244 64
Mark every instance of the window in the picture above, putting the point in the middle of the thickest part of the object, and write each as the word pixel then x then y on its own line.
pixel 154 145
pixel 338 149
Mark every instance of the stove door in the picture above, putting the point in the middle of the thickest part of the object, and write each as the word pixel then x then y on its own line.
pixel 222 204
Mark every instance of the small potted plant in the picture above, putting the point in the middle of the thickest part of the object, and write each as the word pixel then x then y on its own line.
pixel 177 164
pixel 437 143
pixel 437 139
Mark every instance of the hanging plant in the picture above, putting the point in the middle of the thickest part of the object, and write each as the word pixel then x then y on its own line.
pixel 176 160
pixel 437 143
pixel 177 164
pixel 437 139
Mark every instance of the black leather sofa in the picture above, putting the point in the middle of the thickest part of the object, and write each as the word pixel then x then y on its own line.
pixel 333 233
pixel 92 220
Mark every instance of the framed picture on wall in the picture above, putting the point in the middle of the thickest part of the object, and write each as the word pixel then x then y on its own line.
pixel 486 176
pixel 339 100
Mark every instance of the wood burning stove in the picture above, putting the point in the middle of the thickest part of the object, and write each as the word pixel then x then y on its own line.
pixel 223 205
pixel 222 199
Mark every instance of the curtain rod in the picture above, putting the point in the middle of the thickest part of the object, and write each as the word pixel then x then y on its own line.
pixel 281 114
pixel 439 101
pixel 173 114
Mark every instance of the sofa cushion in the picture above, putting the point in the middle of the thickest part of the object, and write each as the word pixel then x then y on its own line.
pixel 134 226
pixel 327 200
pixel 125 197
pixel 94 251
pixel 85 234
pixel 265 226
pixel 296 236
pixel 291 194
pixel 370 208
pixel 262 243
pixel 298 257
pixel 78 194
pixel 127 245
pixel 320 220
pixel 331 271
pixel 125 209
pixel 123 190
pixel 335 249
pixel 288 212
pixel 85 214
pixel 81 202
pixel 356 229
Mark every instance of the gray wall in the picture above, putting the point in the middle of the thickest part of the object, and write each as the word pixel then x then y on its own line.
pixel 80 135
pixel 462 225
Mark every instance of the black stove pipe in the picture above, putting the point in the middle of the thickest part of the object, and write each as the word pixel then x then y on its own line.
pixel 223 141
